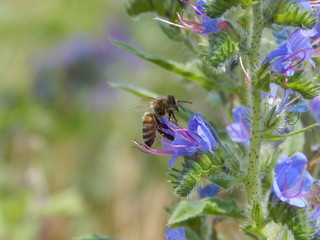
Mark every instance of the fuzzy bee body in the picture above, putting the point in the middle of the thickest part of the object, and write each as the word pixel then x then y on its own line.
pixel 161 106
pixel 149 128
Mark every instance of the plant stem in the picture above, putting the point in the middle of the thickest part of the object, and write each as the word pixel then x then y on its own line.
pixel 253 181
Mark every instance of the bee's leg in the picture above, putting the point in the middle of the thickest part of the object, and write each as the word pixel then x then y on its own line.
pixel 171 115
pixel 165 135
pixel 161 126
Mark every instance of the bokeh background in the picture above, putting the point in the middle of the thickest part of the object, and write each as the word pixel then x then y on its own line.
pixel 67 165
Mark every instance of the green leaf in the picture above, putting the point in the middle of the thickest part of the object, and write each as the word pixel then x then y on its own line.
pixel 224 180
pixel 181 69
pixel 263 78
pixel 93 237
pixel 140 92
pixel 165 8
pixel 293 145
pixel 216 81
pixel 276 138
pixel 277 231
pixel 254 233
pixel 206 206
pixel 309 89
pixel 291 14
pixel 248 3
pixel 191 235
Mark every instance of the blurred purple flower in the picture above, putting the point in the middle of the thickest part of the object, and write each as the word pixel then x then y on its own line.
pixel 315 218
pixel 286 58
pixel 315 108
pixel 208 191
pixel 175 234
pixel 199 136
pixel 292 183
pixel 304 4
pixel 239 131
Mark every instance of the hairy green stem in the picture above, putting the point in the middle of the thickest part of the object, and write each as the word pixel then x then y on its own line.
pixel 253 181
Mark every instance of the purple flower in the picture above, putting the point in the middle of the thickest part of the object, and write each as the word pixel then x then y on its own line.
pixel 292 182
pixel 205 25
pixel 239 131
pixel 315 218
pixel 200 7
pixel 291 53
pixel 175 234
pixel 317 27
pixel 288 105
pixel 199 136
pixel 304 4
pixel 315 108
pixel 208 191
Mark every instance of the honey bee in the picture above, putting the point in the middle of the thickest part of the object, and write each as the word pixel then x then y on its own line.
pixel 162 106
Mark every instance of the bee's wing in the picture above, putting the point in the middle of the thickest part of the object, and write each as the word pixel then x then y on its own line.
pixel 146 104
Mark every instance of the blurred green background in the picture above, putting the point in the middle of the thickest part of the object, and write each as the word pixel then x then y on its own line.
pixel 67 163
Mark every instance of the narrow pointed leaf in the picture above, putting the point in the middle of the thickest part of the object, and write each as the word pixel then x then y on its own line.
pixel 93 237
pixel 185 71
pixel 140 92
pixel 276 138
pixel 206 206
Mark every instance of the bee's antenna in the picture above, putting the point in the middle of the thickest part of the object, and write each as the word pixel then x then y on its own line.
pixel 184 102
pixel 181 107
pixel 178 102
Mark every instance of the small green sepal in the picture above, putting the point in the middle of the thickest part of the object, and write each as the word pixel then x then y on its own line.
pixel 291 14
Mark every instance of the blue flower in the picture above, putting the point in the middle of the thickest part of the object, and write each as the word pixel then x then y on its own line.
pixel 291 53
pixel 315 108
pixel 208 191
pixel 205 25
pixel 200 7
pixel 239 131
pixel 304 4
pixel 292 182
pixel 199 136
pixel 175 234
pixel 292 106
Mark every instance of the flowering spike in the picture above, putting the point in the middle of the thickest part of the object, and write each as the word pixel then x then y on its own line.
pixel 291 53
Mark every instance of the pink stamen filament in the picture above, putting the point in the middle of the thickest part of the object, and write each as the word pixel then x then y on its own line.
pixel 183 22
pixel 172 145
pixel 170 23
pixel 149 150
pixel 185 132
pixel 287 104
pixel 316 41
pixel 237 133
pixel 246 72
pixel 187 136
pixel 295 54
pixel 194 8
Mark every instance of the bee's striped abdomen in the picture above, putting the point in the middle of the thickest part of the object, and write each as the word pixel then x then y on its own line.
pixel 149 127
